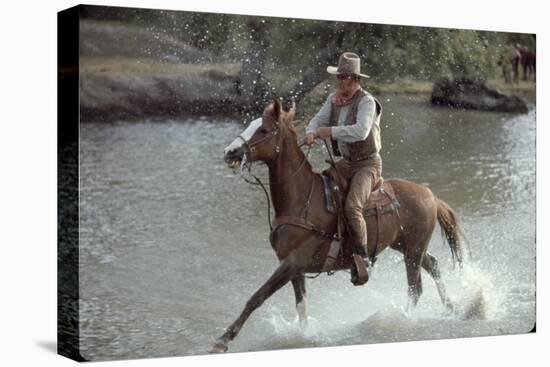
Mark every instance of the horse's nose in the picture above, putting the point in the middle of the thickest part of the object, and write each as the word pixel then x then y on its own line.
pixel 227 155
pixel 232 155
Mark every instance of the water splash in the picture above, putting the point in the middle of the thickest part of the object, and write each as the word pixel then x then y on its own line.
pixel 476 295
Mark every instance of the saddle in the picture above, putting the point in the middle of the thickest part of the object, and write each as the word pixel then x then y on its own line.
pixel 382 197
pixel 381 201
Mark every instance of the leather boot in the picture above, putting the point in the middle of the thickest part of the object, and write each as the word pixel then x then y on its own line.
pixel 359 274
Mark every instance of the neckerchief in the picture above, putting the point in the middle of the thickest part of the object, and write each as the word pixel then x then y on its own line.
pixel 341 101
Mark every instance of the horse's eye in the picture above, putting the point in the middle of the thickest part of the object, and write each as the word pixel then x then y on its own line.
pixel 263 130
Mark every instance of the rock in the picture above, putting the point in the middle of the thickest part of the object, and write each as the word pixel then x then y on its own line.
pixel 477 95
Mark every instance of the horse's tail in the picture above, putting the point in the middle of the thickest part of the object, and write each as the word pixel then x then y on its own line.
pixel 451 229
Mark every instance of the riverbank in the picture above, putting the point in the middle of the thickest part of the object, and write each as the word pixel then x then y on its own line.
pixel 157 67
pixel 408 86
pixel 131 88
pixel 126 89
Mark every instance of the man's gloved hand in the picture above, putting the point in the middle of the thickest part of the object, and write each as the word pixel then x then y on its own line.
pixel 309 139
pixel 321 133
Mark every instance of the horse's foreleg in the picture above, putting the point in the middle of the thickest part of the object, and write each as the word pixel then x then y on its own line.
pixel 299 285
pixel 284 273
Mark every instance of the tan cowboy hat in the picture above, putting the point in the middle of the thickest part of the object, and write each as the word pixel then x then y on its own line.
pixel 349 63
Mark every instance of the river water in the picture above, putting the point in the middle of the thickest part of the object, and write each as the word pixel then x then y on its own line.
pixel 173 243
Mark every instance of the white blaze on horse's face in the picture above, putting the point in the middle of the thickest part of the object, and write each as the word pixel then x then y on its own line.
pixel 245 135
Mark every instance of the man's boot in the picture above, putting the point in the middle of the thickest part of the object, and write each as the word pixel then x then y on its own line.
pixel 359 274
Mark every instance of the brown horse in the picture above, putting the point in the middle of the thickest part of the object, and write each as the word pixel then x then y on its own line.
pixel 528 62
pixel 297 192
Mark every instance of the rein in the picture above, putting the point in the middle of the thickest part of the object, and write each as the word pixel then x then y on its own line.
pixel 296 221
pixel 250 148
pixel 262 185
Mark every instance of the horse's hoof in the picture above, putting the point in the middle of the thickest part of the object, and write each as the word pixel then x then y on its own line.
pixel 450 309
pixel 219 348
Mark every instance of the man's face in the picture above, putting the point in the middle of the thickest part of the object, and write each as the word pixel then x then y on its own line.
pixel 346 84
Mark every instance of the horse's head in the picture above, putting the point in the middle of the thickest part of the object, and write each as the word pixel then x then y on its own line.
pixel 261 140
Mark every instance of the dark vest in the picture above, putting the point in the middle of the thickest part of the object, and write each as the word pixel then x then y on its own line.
pixel 362 149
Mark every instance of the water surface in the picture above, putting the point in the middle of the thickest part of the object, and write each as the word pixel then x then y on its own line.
pixel 173 243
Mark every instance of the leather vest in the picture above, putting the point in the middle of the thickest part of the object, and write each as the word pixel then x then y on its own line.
pixel 362 149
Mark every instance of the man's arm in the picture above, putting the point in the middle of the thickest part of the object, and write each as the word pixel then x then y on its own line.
pixel 366 114
pixel 322 118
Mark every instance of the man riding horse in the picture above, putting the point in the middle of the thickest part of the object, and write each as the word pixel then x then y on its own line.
pixel 351 118
pixel 304 229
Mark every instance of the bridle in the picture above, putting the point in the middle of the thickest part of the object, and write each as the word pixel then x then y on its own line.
pixel 304 223
pixel 250 147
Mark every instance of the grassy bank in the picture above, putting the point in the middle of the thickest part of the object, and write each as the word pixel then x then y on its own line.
pixel 129 66
pixel 407 86
pixel 138 67
pixel 123 88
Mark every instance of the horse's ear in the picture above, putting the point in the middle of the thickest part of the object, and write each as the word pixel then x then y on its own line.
pixel 276 109
pixel 289 116
pixel 291 113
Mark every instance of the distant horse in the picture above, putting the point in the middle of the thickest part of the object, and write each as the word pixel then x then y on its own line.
pixel 301 241
pixel 510 66
pixel 527 61
pixel 509 61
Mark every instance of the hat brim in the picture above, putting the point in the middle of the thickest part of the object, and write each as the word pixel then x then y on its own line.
pixel 334 71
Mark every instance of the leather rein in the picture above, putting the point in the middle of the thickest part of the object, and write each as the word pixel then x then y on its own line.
pixel 301 221
pixel 250 147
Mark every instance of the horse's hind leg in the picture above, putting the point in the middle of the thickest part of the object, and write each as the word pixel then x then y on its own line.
pixel 284 273
pixel 414 279
pixel 431 265
pixel 413 261
pixel 414 256
pixel 299 285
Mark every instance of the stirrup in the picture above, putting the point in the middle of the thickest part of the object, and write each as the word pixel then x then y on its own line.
pixel 359 274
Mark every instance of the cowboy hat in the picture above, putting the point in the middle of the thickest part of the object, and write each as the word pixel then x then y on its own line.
pixel 349 63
